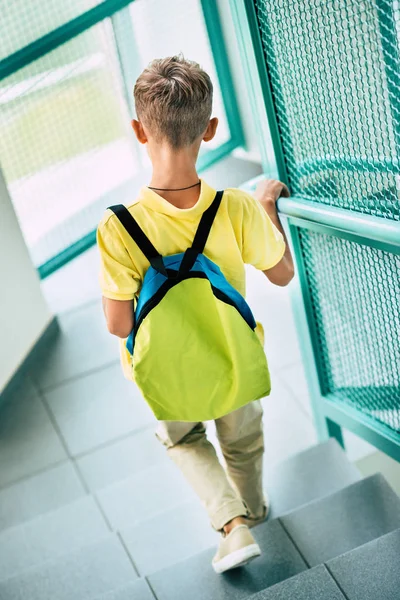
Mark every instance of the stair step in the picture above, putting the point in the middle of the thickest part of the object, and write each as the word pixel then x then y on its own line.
pixel 84 574
pixel 144 495
pixel 309 536
pixel 345 520
pixel 315 584
pixel 195 579
pixel 309 475
pixel 171 537
pixel 314 473
pixel 39 494
pixel 138 590
pixel 300 479
pixel 53 534
pixel 372 571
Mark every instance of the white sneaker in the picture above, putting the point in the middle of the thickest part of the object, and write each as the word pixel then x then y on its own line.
pixel 236 549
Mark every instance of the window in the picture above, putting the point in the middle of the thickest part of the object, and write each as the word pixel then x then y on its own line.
pixel 67 150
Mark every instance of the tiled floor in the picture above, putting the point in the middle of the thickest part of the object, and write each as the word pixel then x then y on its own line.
pixel 80 466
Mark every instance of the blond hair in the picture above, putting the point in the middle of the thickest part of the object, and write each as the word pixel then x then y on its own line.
pixel 173 99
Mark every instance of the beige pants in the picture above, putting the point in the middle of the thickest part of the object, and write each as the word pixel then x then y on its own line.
pixel 225 495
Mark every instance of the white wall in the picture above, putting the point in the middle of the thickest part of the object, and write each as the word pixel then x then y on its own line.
pixel 24 314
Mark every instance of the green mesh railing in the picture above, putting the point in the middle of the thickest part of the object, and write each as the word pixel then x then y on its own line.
pixel 334 72
pixel 334 68
pixel 355 294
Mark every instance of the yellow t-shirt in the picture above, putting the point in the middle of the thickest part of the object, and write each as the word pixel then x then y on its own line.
pixel 241 233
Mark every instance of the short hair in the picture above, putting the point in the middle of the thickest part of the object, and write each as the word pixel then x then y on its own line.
pixel 173 98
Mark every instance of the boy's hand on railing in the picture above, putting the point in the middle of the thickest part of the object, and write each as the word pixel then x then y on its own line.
pixel 269 191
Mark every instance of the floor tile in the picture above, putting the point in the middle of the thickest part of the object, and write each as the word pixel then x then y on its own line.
pixel 272 307
pixel 169 538
pixel 55 533
pixel 314 473
pixel 83 345
pixel 60 289
pixel 144 495
pixel 195 579
pixel 345 520
pixel 28 441
pixel 287 429
pixel 371 572
pixel 98 408
pixel 315 584
pixel 232 171
pixel 122 459
pixel 84 574
pixel 294 378
pixel 39 494
pixel 138 590
pixel 281 346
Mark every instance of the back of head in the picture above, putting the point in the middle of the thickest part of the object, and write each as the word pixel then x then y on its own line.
pixel 173 98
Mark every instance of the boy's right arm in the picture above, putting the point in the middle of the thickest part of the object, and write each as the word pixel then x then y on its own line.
pixel 119 279
pixel 119 316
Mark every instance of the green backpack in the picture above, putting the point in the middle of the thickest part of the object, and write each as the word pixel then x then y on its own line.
pixel 195 353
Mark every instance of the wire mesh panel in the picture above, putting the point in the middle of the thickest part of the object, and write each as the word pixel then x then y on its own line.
pixel 334 68
pixel 355 295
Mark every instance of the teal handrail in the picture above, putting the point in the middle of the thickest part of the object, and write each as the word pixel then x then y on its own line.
pixel 382 230
pixel 352 222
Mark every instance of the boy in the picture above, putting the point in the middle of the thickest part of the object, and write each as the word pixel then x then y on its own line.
pixel 173 100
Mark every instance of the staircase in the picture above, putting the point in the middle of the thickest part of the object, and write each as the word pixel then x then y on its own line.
pixel 331 536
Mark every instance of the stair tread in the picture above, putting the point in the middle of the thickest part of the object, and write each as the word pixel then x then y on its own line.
pixel 39 494
pixel 53 534
pixel 280 560
pixel 370 571
pixel 315 584
pixel 314 473
pixel 296 481
pixel 169 538
pixel 321 530
pixel 86 573
pixel 345 520
pixel 138 590
pixel 164 540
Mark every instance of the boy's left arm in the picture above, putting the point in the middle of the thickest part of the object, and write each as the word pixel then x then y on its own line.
pixel 267 193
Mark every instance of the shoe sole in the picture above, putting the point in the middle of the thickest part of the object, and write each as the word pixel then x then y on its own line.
pixel 237 559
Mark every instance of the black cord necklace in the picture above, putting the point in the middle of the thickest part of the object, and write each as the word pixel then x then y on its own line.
pixel 175 190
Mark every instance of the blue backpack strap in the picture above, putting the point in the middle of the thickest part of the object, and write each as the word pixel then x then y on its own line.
pixel 138 235
pixel 201 237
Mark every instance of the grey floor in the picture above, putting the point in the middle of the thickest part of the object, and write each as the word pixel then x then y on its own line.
pixel 80 468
